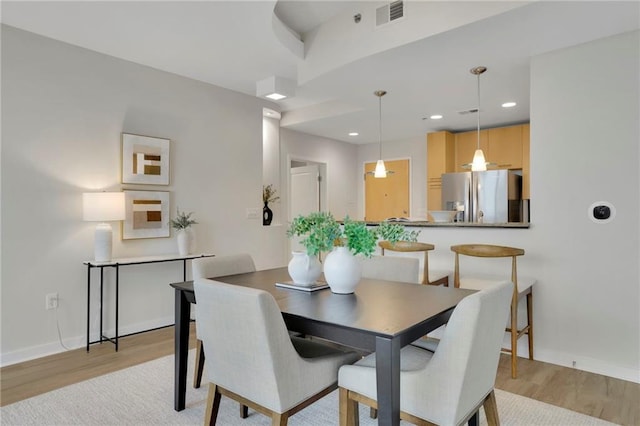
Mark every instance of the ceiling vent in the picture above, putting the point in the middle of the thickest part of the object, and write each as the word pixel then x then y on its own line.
pixel 389 12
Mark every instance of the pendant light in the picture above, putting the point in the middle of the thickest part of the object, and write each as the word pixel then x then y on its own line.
pixel 381 170
pixel 479 164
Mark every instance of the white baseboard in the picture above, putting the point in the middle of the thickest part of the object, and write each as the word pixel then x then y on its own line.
pixel 76 342
pixel 588 364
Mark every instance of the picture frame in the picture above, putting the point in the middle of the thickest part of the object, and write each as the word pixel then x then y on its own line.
pixel 146 214
pixel 145 159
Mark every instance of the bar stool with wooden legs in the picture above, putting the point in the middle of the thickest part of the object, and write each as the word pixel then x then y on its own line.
pixel 522 288
pixel 431 277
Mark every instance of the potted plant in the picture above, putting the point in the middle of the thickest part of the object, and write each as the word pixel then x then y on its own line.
pixel 182 224
pixel 268 196
pixel 322 232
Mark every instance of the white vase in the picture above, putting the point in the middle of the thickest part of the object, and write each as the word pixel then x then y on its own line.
pixel 342 270
pixel 304 269
pixel 185 242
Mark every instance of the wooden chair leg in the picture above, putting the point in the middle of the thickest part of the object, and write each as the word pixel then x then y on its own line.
pixel 197 374
pixel 213 404
pixel 348 409
pixel 279 419
pixel 530 323
pixel 491 409
pixel 514 338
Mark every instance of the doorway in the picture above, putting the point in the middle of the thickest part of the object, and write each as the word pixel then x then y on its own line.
pixel 387 197
pixel 307 192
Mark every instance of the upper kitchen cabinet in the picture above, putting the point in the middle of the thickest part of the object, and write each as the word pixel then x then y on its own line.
pixel 440 159
pixel 505 147
pixel 466 144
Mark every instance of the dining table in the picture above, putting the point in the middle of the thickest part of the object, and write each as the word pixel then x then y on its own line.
pixel 380 316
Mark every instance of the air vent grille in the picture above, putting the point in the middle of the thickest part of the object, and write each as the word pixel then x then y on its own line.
pixel 389 12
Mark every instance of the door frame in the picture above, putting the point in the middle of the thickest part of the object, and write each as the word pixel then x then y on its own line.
pixel 363 188
pixel 322 167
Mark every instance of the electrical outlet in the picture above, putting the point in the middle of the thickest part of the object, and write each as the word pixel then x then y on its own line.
pixel 51 301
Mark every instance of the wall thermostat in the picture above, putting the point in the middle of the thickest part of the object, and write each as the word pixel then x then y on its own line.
pixel 601 212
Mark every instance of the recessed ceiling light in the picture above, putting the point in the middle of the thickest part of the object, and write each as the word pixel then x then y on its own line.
pixel 353 133
pixel 508 104
pixel 435 117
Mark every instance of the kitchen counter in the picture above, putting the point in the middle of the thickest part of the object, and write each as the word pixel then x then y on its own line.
pixel 427 224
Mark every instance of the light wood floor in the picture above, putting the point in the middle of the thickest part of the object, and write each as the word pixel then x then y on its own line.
pixel 614 400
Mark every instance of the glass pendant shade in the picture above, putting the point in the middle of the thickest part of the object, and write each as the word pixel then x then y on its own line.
pixel 479 164
pixel 381 170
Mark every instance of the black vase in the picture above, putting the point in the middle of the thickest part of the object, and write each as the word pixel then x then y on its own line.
pixel 267 215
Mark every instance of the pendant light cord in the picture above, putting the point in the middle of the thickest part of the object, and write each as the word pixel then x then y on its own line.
pixel 380 124
pixel 478 115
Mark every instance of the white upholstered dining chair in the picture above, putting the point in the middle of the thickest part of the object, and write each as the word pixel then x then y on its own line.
pixel 213 267
pixel 403 269
pixel 427 275
pixel 251 357
pixel 449 386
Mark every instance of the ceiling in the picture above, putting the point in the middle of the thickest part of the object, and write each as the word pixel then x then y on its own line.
pixel 422 60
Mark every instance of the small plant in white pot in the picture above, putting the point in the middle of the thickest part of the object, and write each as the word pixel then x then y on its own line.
pixel 182 224
pixel 342 269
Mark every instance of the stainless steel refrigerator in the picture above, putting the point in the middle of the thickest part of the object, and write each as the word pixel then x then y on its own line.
pixel 494 196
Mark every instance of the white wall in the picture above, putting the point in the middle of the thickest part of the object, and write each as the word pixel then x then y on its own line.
pixel 63 110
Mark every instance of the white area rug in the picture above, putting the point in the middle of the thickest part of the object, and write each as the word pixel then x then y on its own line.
pixel 143 395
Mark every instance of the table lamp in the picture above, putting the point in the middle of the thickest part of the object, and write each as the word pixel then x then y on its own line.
pixel 103 207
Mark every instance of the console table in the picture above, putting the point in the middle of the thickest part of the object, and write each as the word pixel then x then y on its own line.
pixel 117 263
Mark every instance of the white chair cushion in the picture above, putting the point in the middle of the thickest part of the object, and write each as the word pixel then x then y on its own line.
pixel 436 274
pixel 392 268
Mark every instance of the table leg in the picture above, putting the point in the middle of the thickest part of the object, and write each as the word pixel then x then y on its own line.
pixel 101 302
pixel 388 380
pixel 117 302
pixel 182 312
pixel 88 303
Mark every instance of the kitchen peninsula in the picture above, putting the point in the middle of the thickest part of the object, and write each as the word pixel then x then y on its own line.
pixel 428 224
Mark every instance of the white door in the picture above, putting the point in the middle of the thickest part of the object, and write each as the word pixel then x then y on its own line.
pixel 305 195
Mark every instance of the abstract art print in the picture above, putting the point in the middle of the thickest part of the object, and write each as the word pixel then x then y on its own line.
pixel 146 214
pixel 145 159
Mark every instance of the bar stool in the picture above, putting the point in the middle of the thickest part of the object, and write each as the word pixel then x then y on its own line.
pixel 522 288
pixel 431 277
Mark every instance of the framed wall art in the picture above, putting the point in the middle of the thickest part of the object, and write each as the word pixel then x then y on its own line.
pixel 145 159
pixel 146 214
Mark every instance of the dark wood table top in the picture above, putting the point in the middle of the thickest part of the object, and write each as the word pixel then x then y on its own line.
pixel 384 308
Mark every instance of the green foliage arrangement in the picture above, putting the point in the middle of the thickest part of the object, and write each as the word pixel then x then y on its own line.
pixel 322 232
pixel 269 194
pixel 182 221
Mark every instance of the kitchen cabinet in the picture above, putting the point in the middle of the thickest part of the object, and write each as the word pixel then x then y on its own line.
pixel 466 145
pixel 505 147
pixel 440 159
pixel 526 144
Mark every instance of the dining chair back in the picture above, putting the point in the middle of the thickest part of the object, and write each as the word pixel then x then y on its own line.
pixel 449 386
pixel 391 268
pixel 429 276
pixel 253 359
pixel 213 267
pixel 522 289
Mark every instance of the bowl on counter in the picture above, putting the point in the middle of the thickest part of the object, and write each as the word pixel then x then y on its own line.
pixel 442 215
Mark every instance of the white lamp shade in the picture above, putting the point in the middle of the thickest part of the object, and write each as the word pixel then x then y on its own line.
pixel 479 164
pixel 381 171
pixel 103 206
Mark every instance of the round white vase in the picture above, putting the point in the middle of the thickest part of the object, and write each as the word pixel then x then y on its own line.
pixel 185 242
pixel 304 269
pixel 342 270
